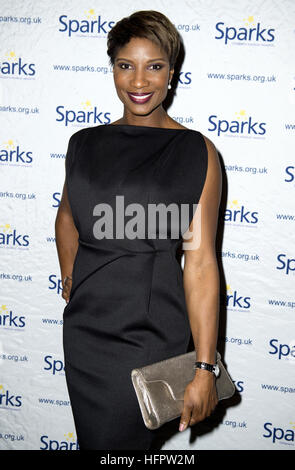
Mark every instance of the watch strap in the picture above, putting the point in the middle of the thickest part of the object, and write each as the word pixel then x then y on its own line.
pixel 204 365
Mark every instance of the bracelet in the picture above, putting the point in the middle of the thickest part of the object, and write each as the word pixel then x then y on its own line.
pixel 214 368
pixel 204 365
pixel 67 277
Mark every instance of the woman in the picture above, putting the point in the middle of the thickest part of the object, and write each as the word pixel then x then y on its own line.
pixel 129 303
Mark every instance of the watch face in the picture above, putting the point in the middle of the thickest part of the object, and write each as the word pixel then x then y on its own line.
pixel 216 370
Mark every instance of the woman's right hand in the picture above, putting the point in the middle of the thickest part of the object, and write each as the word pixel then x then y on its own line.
pixel 67 286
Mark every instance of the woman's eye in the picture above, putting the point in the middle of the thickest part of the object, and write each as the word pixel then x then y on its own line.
pixel 159 66
pixel 122 66
pixel 125 66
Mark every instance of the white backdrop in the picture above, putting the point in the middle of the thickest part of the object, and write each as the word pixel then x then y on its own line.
pixel 237 87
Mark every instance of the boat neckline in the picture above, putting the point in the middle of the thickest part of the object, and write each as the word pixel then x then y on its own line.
pixel 148 127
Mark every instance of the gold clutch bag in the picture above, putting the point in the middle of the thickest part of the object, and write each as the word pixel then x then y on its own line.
pixel 160 387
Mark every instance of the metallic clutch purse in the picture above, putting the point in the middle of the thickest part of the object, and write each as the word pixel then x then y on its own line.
pixel 160 387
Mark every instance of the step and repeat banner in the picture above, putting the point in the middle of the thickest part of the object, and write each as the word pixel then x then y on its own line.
pixel 237 87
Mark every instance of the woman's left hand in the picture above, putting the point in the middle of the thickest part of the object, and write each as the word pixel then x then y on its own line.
pixel 200 399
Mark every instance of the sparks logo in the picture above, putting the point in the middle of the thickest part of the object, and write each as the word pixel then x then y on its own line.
pixel 11 152
pixel 185 78
pixel 9 320
pixel 281 350
pixel 55 283
pixel 9 401
pixel 93 25
pixel 89 114
pixel 56 198
pixel 69 443
pixel 280 435
pixel 286 265
pixel 233 300
pixel 11 239
pixel 239 214
pixel 54 365
pixel 13 66
pixel 290 170
pixel 240 125
pixel 240 385
pixel 251 32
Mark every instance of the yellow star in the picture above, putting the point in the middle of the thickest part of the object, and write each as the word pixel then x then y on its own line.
pixel 87 104
pixel 249 20
pixel 6 226
pixel 234 204
pixel 241 113
pixel 90 13
pixel 11 55
pixel 8 144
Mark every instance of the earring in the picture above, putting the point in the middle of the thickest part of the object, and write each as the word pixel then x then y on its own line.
pixel 169 86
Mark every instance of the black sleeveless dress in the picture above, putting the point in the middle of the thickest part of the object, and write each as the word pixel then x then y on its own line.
pixel 127 305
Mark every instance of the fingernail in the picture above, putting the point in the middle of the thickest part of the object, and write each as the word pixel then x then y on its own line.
pixel 181 427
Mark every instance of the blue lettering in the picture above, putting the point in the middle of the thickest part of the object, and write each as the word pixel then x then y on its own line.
pixel 43 440
pixel 290 173
pixel 287 264
pixel 220 30
pixel 56 366
pixel 236 127
pixel 273 346
pixel 55 285
pixel 271 35
pixel 239 386
pixel 283 350
pixel 69 116
pixel 56 197
pixel 84 26
pixel 56 445
pixel 21 322
pixel 269 430
pixel 63 22
pixel 243 34
pixel 59 112
pixel 76 26
pixel 278 434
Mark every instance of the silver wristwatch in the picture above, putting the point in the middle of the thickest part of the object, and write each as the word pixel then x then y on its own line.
pixel 214 368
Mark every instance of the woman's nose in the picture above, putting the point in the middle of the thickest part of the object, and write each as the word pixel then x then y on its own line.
pixel 139 79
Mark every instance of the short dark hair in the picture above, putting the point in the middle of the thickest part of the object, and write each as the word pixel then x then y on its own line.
pixel 149 24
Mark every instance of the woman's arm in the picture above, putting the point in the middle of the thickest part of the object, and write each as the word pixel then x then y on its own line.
pixel 66 237
pixel 201 286
pixel 200 274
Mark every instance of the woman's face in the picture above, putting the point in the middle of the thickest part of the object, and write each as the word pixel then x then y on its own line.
pixel 141 75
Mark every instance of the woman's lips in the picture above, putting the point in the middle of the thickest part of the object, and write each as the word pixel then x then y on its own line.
pixel 140 98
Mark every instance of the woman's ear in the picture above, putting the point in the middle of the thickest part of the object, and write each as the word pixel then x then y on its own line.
pixel 171 72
